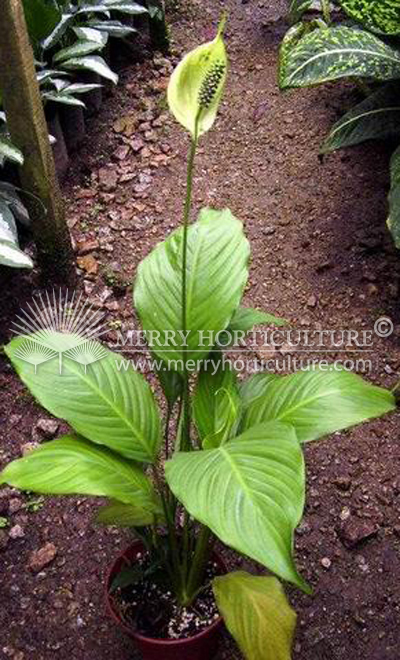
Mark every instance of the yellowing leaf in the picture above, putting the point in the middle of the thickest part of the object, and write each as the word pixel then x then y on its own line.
pixel 257 614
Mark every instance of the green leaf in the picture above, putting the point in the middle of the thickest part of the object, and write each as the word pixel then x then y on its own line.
pixel 127 577
pixel 171 383
pixel 382 16
pixel 217 270
pixel 41 19
pixel 8 227
pixel 297 8
pixel 94 9
pixel 58 32
pixel 245 318
pixel 77 50
pixel 8 193
pixel 393 220
pixel 338 52
pixel 71 465
pixel 126 7
pixel 9 151
pixel 128 515
pixel 376 118
pixel 216 401
pixel 255 386
pixel 197 84
pixel 80 88
pixel 65 99
pixel 89 34
pixel 249 492
pixel 110 407
pixel 91 63
pixel 112 28
pixel 318 402
pixel 257 614
pixel 11 255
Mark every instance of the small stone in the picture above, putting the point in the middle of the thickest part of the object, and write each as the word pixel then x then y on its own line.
pixel 108 179
pixel 45 428
pixel 268 230
pixel 137 144
pixel 312 301
pixel 42 557
pixel 326 562
pixel 354 531
pixel 15 505
pixel 84 247
pixel 343 483
pixel 88 264
pixel 3 539
pixel 121 152
pixel 16 532
pixel 28 447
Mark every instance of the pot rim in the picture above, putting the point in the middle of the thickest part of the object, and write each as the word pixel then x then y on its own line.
pixel 156 641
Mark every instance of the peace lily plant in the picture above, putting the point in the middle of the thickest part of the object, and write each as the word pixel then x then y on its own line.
pixel 234 469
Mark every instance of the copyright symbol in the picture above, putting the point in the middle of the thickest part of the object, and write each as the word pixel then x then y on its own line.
pixel 383 327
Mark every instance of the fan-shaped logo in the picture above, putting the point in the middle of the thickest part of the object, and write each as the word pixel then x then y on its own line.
pixel 57 326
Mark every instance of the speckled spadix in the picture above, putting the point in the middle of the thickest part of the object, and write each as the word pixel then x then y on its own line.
pixel 197 85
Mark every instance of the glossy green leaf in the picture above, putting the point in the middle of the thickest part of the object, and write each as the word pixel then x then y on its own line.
pixel 110 407
pixel 78 49
pixel 12 256
pixel 318 402
pixel 245 318
pixel 41 19
pixel 126 7
pixel 297 8
pixel 249 492
pixel 217 270
pixel 216 401
pixel 257 614
pixel 59 30
pixel 255 386
pixel 10 253
pixel 197 84
pixel 8 227
pixel 80 88
pixel 112 28
pixel 375 118
pixel 90 34
pixel 171 383
pixel 338 52
pixel 9 194
pixel 393 220
pixel 70 466
pixel 92 8
pixel 382 16
pixel 128 515
pixel 64 99
pixel 93 63
pixel 9 151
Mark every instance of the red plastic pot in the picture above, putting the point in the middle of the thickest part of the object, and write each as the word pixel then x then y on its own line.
pixel 202 646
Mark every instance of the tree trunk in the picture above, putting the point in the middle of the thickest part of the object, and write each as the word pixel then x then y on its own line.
pixel 27 125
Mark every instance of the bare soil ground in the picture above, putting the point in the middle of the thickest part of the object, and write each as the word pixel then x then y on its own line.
pixel 322 258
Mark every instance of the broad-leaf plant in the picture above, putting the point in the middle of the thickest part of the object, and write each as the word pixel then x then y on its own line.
pixel 367 47
pixel 227 460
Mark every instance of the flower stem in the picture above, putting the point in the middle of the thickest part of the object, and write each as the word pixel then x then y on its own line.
pixel 186 443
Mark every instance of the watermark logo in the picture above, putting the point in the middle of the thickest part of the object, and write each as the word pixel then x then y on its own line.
pixel 58 326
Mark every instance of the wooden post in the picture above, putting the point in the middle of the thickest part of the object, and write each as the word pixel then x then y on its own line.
pixel 27 125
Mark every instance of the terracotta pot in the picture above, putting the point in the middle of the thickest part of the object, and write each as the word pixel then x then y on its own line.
pixel 202 646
